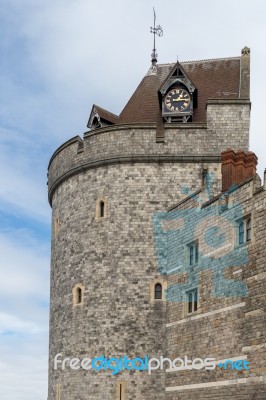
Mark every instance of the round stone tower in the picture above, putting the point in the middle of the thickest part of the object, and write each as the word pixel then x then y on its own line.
pixel 107 295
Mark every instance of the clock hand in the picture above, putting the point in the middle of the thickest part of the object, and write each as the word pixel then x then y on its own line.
pixel 179 99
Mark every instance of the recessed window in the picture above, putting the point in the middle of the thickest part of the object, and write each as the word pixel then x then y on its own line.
pixel 193 253
pixel 192 301
pixel 56 226
pixel 58 392
pixel 158 291
pixel 102 206
pixel 241 231
pixel 120 391
pixel 244 230
pixel 78 294
pixel 248 229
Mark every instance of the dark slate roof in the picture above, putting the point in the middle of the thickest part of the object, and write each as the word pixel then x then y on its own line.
pixel 214 79
pixel 143 106
pixel 107 115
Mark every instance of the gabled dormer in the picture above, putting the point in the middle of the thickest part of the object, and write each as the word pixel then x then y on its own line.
pixel 177 96
pixel 100 117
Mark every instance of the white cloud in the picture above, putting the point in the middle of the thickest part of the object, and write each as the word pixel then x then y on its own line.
pixel 24 264
pixel 23 368
pixel 11 324
pixel 24 295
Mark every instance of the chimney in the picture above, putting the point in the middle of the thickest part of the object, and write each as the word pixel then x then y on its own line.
pixel 237 167
pixel 244 73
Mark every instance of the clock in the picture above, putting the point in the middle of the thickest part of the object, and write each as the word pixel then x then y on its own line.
pixel 177 100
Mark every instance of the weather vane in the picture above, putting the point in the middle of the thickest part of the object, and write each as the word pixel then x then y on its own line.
pixel 155 31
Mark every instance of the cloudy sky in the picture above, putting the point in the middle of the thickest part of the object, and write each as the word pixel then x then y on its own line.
pixel 58 57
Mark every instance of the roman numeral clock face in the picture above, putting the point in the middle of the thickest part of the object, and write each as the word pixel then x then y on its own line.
pixel 177 100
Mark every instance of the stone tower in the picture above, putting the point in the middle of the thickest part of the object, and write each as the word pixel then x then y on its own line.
pixel 104 190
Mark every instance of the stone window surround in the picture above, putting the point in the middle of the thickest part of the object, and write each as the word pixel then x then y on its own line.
pixel 186 302
pixel 98 216
pixel 162 282
pixel 245 219
pixel 75 294
pixel 58 392
pixel 195 244
pixel 120 390
pixel 56 226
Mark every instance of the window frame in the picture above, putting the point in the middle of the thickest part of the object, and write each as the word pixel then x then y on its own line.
pixel 192 253
pixel 156 292
pixel 101 211
pixel 244 230
pixel 78 294
pixel 194 309
pixel 161 281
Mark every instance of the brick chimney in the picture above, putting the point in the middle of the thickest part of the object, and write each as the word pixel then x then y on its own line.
pixel 237 167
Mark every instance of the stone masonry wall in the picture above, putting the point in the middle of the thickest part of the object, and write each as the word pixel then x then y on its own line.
pixel 225 326
pixel 115 258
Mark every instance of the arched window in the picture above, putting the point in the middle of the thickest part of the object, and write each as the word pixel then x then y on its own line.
pixel 193 253
pixel 244 230
pixel 192 301
pixel 158 291
pixel 78 294
pixel 102 208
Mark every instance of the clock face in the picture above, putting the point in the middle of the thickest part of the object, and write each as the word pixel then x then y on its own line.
pixel 177 100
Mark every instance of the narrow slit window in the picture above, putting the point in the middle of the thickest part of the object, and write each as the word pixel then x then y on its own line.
pixel 192 301
pixel 102 209
pixel 195 300
pixel 79 296
pixel 248 230
pixel 58 392
pixel 158 292
pixel 120 391
pixel 241 233
pixel 193 253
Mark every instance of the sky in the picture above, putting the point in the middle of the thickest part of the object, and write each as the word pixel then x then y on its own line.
pixel 58 58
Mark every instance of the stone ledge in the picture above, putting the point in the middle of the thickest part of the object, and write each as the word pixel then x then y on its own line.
pixel 138 158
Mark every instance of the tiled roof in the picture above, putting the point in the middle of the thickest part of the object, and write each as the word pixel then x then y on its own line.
pixel 143 106
pixel 214 79
pixel 106 115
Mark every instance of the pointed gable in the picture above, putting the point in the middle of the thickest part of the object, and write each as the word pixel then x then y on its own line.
pixel 100 117
pixel 177 75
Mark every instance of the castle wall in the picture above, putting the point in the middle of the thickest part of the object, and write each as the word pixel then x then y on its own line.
pixel 115 258
pixel 227 325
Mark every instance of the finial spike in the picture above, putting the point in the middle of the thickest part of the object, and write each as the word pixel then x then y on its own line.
pixel 155 31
